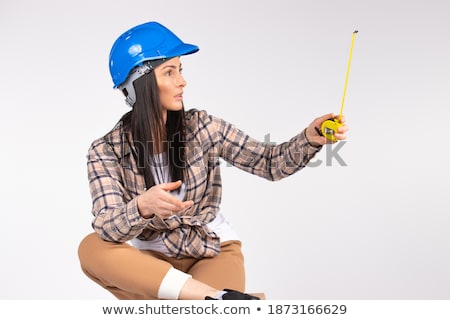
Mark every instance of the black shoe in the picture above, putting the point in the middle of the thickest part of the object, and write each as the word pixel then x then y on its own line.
pixel 234 295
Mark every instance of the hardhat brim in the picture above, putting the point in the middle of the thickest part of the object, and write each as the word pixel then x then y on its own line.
pixel 181 50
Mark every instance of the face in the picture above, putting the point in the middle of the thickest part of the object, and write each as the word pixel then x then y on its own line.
pixel 170 84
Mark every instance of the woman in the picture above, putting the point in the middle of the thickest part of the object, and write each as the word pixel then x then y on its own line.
pixel 156 186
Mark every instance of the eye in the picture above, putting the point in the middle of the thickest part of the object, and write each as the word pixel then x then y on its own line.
pixel 169 73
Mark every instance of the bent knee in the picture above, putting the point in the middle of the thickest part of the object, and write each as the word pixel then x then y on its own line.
pixel 87 246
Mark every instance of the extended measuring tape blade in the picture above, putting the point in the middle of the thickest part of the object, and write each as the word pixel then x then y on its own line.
pixel 330 127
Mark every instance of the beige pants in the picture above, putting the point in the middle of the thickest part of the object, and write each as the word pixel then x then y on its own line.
pixel 129 273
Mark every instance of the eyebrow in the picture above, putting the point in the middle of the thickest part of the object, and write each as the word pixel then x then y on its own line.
pixel 173 66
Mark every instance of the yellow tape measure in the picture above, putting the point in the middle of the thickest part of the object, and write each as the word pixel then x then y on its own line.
pixel 329 127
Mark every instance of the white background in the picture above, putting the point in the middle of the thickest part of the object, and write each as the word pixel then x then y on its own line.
pixel 376 228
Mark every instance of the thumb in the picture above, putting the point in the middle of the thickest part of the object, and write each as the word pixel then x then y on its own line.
pixel 171 185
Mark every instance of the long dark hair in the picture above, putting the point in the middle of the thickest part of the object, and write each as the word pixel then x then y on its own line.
pixel 151 136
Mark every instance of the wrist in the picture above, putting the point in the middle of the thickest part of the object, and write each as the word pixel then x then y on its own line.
pixel 310 142
pixel 142 209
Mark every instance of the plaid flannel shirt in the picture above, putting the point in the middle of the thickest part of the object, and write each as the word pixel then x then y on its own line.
pixel 115 182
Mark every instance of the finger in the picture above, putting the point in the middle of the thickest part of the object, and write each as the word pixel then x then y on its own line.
pixel 340 136
pixel 166 209
pixel 170 208
pixel 342 129
pixel 188 204
pixel 171 185
pixel 166 213
pixel 340 118
pixel 175 204
pixel 182 205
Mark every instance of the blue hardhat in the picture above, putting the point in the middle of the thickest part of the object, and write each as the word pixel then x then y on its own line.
pixel 145 42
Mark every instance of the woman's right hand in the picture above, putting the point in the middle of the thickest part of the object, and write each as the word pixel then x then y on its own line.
pixel 158 201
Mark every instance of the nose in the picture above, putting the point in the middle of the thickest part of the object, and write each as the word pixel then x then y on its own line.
pixel 181 82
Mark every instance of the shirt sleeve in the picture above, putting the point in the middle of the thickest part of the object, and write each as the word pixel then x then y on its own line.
pixel 115 217
pixel 272 162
